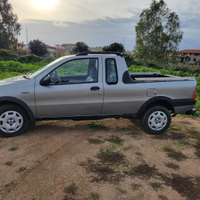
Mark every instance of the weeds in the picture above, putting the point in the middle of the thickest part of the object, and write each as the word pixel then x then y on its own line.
pixel 174 128
pixel 179 156
pixel 172 166
pixel 185 186
pixel 10 184
pixel 135 186
pixel 13 149
pixel 71 189
pixel 156 185
pixel 143 171
pixel 127 148
pixel 171 136
pixel 110 156
pixel 115 139
pixel 94 196
pixel 183 145
pixel 122 129
pixel 197 147
pixel 9 163
pixel 138 153
pixel 105 169
pixel 21 169
pixel 68 198
pixel 162 197
pixel 133 134
pixel 95 125
pixel 102 172
pixel 94 141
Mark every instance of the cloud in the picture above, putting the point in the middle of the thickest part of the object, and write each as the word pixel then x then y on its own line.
pixel 99 32
pixel 77 22
pixel 60 24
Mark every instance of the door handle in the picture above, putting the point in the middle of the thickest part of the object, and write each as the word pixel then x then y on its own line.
pixel 95 88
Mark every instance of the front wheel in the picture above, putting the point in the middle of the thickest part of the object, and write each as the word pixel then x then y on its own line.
pixel 13 120
pixel 156 120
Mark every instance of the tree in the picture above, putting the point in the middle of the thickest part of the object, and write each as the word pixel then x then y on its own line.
pixel 158 34
pixel 38 48
pixel 117 47
pixel 9 27
pixel 80 47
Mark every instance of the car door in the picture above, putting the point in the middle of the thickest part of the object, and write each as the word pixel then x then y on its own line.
pixel 76 89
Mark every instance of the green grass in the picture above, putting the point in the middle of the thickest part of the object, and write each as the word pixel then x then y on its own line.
pixel 13 149
pixel 155 185
pixel 9 184
pixel 127 148
pixel 174 128
pixel 21 169
pixel 94 125
pixel 10 163
pixel 179 156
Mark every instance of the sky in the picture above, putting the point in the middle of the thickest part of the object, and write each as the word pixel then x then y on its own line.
pixel 98 22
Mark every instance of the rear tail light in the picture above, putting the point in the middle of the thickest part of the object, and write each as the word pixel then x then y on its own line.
pixel 194 96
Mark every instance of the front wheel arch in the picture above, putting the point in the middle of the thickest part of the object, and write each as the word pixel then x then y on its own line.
pixel 15 101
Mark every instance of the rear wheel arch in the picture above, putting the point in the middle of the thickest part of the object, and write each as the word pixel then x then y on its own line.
pixel 157 101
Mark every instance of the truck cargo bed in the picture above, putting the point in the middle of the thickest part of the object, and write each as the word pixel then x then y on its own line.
pixel 157 76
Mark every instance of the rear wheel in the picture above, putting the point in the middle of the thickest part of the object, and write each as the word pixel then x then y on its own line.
pixel 13 120
pixel 156 120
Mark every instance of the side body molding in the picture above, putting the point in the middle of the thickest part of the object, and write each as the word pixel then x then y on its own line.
pixel 7 99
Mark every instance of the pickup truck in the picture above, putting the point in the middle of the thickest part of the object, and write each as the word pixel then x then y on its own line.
pixel 93 85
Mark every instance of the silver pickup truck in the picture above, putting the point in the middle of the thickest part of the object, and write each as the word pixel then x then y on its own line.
pixel 93 85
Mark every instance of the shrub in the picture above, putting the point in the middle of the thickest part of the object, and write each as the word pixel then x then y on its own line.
pixel 8 55
pixel 30 59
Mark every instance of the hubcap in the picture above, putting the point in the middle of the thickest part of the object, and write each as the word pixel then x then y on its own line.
pixel 10 121
pixel 157 120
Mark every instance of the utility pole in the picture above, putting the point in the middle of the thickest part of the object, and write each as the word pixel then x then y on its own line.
pixel 124 43
pixel 27 40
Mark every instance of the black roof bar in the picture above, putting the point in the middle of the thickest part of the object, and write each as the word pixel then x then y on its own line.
pixel 101 52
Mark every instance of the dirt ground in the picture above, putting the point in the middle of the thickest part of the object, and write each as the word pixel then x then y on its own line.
pixel 106 159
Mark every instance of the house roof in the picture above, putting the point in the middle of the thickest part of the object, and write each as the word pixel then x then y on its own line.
pixel 189 51
pixel 22 44
pixel 51 47
pixel 183 56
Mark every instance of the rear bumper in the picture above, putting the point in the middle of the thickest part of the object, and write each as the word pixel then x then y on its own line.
pixel 184 106
pixel 183 102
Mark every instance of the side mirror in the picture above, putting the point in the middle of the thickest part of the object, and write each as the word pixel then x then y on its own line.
pixel 45 81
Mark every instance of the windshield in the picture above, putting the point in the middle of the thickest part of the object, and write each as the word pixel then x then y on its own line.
pixel 34 74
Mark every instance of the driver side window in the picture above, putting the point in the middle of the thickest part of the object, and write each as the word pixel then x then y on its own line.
pixel 76 71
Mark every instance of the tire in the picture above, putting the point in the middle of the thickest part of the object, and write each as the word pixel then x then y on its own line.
pixel 156 120
pixel 13 120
